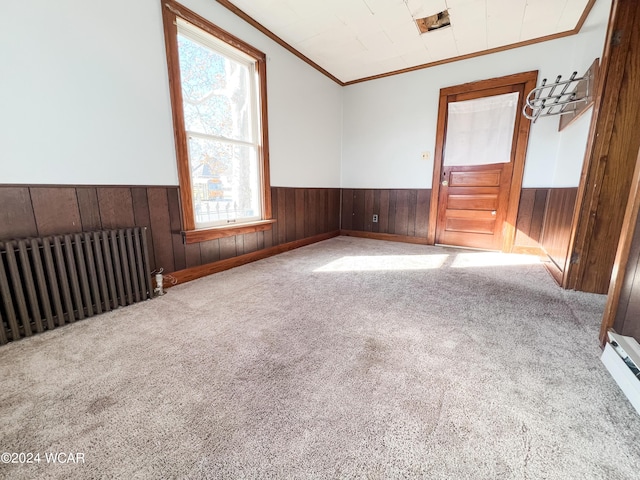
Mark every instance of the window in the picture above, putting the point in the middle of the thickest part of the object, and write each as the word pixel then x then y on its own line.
pixel 218 88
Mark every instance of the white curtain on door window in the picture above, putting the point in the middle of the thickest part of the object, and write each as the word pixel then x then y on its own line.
pixel 480 131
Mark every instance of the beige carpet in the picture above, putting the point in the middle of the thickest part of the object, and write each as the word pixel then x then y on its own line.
pixel 350 358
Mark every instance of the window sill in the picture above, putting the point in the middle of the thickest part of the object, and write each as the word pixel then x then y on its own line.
pixel 211 233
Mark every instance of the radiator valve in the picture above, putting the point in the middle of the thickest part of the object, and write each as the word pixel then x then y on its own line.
pixel 159 290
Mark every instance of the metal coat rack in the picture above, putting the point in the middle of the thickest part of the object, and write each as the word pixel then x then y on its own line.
pixel 558 98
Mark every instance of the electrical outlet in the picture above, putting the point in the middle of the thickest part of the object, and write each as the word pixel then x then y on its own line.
pixel 426 155
pixel 375 218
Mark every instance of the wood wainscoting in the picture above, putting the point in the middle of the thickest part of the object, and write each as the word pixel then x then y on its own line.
pixel 544 226
pixel 556 235
pixel 403 214
pixel 303 215
pixel 30 211
pixel 533 202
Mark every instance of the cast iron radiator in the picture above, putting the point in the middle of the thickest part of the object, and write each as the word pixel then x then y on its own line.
pixel 47 282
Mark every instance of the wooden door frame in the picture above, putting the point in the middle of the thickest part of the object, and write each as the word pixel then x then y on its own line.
pixel 622 255
pixel 528 80
pixel 609 159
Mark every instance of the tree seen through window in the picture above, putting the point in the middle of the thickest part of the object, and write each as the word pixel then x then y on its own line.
pixel 219 115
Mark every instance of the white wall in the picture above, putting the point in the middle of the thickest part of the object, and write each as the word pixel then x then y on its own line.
pixel 85 97
pixel 85 100
pixel 390 121
pixel 82 98
pixel 571 149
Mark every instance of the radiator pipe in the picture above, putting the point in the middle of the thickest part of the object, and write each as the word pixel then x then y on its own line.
pixel 159 290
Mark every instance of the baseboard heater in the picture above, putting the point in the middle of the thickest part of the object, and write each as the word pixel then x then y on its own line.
pixel 50 281
pixel 621 356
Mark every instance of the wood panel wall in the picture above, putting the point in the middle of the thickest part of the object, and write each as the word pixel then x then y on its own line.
pixel 557 225
pixel 530 220
pixel 300 213
pixel 402 212
pixel 29 211
pixel 405 213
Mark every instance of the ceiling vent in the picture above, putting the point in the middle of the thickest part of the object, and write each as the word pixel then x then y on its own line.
pixel 433 22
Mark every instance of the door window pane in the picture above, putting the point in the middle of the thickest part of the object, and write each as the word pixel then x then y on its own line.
pixel 480 131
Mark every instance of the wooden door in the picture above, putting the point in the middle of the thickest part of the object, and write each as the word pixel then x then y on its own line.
pixel 473 205
pixel 476 205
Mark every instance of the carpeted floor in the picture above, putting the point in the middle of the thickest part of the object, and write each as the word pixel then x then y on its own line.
pixel 350 358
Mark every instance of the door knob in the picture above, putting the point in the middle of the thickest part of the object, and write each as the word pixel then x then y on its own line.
pixel 445 183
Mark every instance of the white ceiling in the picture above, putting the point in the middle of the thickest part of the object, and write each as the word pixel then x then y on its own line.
pixel 356 39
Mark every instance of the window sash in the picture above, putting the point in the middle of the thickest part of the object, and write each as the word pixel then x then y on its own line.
pixel 211 208
pixel 172 14
pixel 219 47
